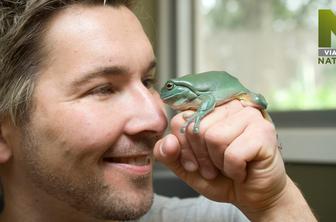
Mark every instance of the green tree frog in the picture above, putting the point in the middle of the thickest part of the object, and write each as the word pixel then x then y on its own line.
pixel 204 91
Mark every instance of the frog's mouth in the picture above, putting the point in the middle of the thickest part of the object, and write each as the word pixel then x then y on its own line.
pixel 166 98
pixel 170 96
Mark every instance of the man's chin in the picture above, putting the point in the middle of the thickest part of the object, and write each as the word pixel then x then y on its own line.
pixel 128 206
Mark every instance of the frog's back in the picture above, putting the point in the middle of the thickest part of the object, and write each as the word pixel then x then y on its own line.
pixel 221 84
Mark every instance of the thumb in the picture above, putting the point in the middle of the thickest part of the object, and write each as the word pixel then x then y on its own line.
pixel 167 151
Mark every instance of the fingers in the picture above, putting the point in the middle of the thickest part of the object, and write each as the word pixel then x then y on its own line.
pixel 219 136
pixel 229 138
pixel 206 167
pixel 197 143
pixel 168 150
pixel 251 145
pixel 187 159
pixel 245 137
pixel 193 146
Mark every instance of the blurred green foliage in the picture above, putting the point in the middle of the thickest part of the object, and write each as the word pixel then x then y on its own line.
pixel 280 16
pixel 247 14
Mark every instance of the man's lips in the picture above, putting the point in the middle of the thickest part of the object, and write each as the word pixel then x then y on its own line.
pixel 140 160
pixel 134 165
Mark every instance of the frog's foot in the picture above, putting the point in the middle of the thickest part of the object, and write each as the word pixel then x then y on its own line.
pixel 193 118
pixel 196 128
pixel 183 129
pixel 254 100
pixel 188 122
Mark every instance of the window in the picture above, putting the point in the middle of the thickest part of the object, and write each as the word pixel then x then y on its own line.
pixel 271 46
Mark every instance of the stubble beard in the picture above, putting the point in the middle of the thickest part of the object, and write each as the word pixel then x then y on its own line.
pixel 85 192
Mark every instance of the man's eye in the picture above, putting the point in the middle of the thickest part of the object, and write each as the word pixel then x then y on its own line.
pixel 102 90
pixel 149 82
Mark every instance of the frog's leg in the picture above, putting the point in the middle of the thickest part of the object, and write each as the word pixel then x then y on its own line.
pixel 252 99
pixel 266 115
pixel 208 105
pixel 256 101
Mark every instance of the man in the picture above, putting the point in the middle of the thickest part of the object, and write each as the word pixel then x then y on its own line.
pixel 80 120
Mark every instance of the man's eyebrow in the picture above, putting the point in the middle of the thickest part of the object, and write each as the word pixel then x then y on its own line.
pixel 100 72
pixel 107 71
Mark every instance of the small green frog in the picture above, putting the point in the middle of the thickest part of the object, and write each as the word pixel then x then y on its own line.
pixel 204 91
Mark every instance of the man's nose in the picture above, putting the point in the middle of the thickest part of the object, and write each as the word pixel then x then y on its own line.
pixel 146 112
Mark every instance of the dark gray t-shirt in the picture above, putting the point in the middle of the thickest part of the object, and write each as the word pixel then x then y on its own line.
pixel 198 209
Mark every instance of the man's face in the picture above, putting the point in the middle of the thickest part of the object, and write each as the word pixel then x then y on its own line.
pixel 95 118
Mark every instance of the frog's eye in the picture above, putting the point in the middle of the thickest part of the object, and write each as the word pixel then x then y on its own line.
pixel 169 85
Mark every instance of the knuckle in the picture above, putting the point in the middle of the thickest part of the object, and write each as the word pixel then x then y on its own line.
pixel 268 127
pixel 232 158
pixel 264 130
pixel 176 122
pixel 215 137
pixel 252 112
pixel 255 143
pixel 235 104
pixel 210 136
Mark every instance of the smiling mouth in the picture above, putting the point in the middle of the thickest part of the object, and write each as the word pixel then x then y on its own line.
pixel 142 160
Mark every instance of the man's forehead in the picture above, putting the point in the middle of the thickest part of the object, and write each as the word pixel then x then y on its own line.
pixel 81 19
pixel 82 38
pixel 80 57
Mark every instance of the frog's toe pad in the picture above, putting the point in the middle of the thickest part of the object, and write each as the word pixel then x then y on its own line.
pixel 196 130
pixel 182 130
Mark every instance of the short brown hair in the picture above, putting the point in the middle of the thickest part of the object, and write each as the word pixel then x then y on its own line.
pixel 22 27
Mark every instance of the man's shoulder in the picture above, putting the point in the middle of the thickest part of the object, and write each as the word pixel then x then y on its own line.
pixel 191 209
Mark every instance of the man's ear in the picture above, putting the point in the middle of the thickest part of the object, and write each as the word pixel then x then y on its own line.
pixel 5 149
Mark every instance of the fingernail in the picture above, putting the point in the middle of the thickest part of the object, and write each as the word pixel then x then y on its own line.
pixel 189 166
pixel 163 148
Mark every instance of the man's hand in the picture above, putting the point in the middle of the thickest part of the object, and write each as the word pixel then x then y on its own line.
pixel 235 158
